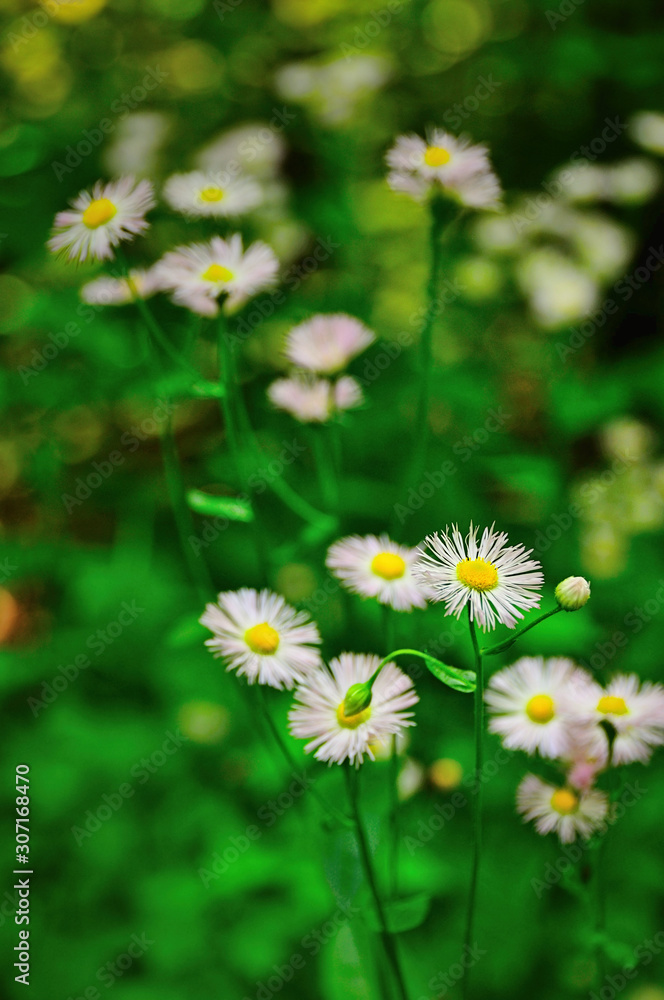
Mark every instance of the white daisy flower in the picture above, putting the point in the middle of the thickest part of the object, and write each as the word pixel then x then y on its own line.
pixel 377 567
pixel 529 704
pixel 325 344
pixel 443 163
pixel 110 291
pixel 199 274
pixel 495 579
pixel 635 710
pixel 100 220
pixel 254 147
pixel 211 194
pixel 319 712
pixel 567 811
pixel 262 637
pixel 315 400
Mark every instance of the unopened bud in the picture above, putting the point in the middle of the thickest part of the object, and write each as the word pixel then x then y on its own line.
pixel 572 593
pixel 358 697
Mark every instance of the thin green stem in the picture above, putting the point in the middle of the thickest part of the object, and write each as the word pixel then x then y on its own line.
pixel 325 469
pixel 502 646
pixel 227 401
pixel 387 938
pixel 296 768
pixel 477 803
pixel 177 494
pixel 393 856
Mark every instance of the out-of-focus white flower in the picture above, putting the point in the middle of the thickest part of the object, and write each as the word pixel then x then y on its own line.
pixel 566 811
pixel 529 704
pixel 99 220
pixel 201 273
pixel 315 400
pixel 110 291
pixel 326 343
pixel 496 234
pixel 635 710
pixel 627 438
pixel 582 182
pixel 333 90
pixel 251 148
pixel 135 145
pixel 320 712
pixel 261 637
pixel 647 130
pixel 210 194
pixel 378 567
pixel 634 181
pixel 604 247
pixel 445 164
pixel 495 579
pixel 559 293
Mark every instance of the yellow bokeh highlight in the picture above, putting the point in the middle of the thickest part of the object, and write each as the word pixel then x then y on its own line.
pixel 74 11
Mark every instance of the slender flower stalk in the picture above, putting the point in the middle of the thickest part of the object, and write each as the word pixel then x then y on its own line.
pixel 388 941
pixel 477 804
pixel 325 469
pixel 388 623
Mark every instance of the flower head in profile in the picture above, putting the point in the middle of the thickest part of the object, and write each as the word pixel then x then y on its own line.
pixel 261 637
pixel 567 811
pixel 342 724
pixel 325 344
pixel 212 194
pixel 315 400
pixel 200 274
pixel 634 711
pixel 375 566
pixel 529 704
pixel 496 580
pixel 100 219
pixel 113 291
pixel 443 164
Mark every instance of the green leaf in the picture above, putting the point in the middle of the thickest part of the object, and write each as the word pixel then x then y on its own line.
pixel 231 508
pixel 454 677
pixel 403 914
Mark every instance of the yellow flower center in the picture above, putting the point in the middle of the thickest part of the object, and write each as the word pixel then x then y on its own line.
pixel 212 194
pixel 611 705
pixel 98 212
pixel 478 574
pixel 564 801
pixel 262 639
pixel 352 721
pixel 388 565
pixel 436 156
pixel 217 272
pixel 540 708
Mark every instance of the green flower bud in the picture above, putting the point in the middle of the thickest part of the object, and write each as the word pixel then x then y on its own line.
pixel 572 593
pixel 358 697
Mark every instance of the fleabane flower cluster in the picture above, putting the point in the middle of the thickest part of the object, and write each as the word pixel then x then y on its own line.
pixel 555 709
pixel 445 165
pixel 320 349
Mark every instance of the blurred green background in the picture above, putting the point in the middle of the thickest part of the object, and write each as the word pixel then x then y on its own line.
pixel 574 469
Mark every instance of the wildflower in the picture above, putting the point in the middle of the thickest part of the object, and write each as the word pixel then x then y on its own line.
pixel 315 400
pixel 201 273
pixel 495 579
pixel 112 291
pixel 378 567
pixel 340 728
pixel 573 593
pixel 634 711
pixel 211 194
pixel 261 637
pixel 443 164
pixel 100 220
pixel 566 810
pixel 325 344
